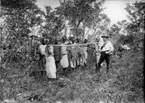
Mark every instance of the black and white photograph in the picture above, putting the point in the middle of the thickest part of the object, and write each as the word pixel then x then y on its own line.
pixel 72 51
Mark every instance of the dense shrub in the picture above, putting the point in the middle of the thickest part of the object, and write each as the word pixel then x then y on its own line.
pixel 126 39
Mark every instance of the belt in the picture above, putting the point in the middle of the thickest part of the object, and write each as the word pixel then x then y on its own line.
pixel 103 52
pixel 64 54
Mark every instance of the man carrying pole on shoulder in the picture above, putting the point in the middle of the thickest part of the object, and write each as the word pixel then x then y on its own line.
pixel 106 51
pixel 42 53
pixel 97 51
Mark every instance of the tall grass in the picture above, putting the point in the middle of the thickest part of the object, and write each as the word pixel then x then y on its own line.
pixel 123 84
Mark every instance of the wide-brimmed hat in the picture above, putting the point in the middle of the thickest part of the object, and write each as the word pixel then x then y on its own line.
pixel 105 36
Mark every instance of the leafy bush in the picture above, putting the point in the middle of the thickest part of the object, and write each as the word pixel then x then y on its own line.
pixel 126 39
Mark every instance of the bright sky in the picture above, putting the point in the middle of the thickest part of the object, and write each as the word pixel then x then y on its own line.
pixel 114 8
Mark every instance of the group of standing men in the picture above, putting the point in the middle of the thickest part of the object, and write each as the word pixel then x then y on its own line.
pixel 64 55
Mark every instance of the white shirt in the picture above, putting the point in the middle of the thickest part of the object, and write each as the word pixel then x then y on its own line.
pixel 63 49
pixel 50 50
pixel 108 47
pixel 42 49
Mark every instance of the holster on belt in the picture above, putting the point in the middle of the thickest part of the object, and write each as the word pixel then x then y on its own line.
pixel 103 53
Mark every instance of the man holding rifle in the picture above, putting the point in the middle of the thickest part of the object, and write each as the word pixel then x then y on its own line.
pixel 106 51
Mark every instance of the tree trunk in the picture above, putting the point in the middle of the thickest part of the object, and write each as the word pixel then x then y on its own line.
pixel 83 32
pixel 77 26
